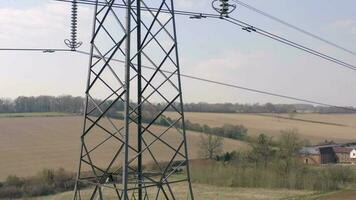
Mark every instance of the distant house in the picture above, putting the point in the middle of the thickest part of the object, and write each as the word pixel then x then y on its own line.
pixel 353 154
pixel 345 155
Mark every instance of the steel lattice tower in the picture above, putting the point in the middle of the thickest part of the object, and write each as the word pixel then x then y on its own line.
pixel 133 158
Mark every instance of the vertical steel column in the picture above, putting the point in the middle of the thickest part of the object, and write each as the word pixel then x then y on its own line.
pixel 139 100
pixel 127 101
pixel 76 186
pixel 182 104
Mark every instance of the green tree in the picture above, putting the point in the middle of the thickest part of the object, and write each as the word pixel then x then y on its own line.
pixel 262 151
pixel 289 144
pixel 13 180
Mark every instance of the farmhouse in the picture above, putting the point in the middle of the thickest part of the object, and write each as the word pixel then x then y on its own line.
pixel 328 154
pixel 345 155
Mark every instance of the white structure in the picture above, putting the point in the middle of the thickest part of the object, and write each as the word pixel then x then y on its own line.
pixel 353 153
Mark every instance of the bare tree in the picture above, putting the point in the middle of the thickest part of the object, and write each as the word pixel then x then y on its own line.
pixel 292 113
pixel 289 144
pixel 210 146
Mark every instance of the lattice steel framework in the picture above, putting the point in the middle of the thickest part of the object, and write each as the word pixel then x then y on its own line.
pixel 133 158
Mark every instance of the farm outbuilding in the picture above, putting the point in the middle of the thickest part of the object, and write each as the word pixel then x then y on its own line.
pixel 310 155
pixel 328 154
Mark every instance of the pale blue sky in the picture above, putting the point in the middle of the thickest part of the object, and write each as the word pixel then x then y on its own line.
pixel 208 48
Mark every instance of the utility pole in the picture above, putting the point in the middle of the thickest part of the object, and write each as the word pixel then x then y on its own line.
pixel 114 153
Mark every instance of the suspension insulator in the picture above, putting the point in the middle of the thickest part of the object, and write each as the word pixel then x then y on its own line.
pixel 72 43
pixel 223 7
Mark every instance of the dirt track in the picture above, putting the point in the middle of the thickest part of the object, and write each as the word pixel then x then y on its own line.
pixel 342 195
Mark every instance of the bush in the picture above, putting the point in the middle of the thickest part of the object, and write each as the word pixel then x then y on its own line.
pixel 38 190
pixel 46 182
pixel 63 180
pixel 13 180
pixel 10 192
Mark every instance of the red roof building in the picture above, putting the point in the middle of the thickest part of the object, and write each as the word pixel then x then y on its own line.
pixel 345 155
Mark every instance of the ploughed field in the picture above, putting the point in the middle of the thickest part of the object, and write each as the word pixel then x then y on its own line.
pixel 315 127
pixel 30 144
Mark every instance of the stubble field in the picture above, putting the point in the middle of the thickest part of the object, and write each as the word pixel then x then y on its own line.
pixel 30 144
pixel 306 124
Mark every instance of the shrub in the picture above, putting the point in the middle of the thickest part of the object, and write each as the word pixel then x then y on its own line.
pixel 10 192
pixel 38 190
pixel 13 180
pixel 46 182
pixel 63 180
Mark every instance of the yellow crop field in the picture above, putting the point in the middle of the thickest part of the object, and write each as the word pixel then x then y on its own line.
pixel 29 144
pixel 272 125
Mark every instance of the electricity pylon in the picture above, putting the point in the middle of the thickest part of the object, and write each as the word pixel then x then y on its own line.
pixel 133 156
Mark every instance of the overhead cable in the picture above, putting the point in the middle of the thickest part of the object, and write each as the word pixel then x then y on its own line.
pixel 245 26
pixel 240 87
pixel 294 27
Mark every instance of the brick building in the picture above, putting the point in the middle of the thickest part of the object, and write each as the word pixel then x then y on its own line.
pixel 310 155
pixel 345 155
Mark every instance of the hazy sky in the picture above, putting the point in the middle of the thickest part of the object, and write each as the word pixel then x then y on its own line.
pixel 208 48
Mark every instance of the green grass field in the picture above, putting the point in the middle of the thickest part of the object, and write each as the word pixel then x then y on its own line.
pixel 208 192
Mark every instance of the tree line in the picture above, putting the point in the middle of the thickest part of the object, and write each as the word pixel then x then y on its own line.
pixel 72 104
pixel 238 132
pixel 263 108
pixel 68 104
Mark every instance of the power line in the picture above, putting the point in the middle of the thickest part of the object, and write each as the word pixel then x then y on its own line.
pixel 245 26
pixel 240 87
pixel 118 5
pixel 44 50
pixel 208 80
pixel 294 27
